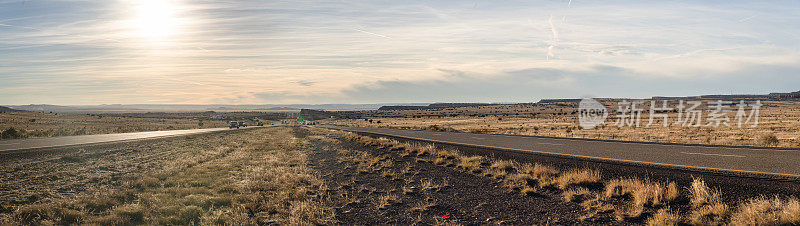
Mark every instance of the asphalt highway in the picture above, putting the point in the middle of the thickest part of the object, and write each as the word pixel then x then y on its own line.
pixel 742 160
pixel 34 143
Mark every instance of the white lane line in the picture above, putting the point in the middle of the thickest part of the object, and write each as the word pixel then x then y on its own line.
pixel 479 138
pixel 738 156
pixel 10 144
pixel 549 143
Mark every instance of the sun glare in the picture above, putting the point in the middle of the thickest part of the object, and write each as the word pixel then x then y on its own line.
pixel 155 18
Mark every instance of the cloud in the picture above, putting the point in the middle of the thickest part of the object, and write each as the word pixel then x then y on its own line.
pixel 88 52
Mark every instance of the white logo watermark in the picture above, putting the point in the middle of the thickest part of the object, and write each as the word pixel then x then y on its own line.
pixel 591 113
pixel 688 113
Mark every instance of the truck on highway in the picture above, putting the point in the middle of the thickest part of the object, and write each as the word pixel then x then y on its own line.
pixel 234 124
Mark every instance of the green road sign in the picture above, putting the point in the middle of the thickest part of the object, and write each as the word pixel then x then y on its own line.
pixel 300 118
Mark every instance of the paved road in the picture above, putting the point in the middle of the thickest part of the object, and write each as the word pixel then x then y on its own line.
pixel 21 144
pixel 784 163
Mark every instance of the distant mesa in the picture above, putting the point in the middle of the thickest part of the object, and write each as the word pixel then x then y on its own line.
pixel 547 101
pixel 280 109
pixel 732 97
pixel 432 106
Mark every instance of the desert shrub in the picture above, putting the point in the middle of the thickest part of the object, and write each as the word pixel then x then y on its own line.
pixel 439 128
pixel 769 140
pixel 10 133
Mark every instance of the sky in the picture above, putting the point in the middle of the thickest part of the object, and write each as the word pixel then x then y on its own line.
pixel 83 52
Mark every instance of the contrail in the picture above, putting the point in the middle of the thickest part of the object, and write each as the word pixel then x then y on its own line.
pixel 367 32
pixel 554 40
pixel 747 18
pixel 569 4
pixel 553 29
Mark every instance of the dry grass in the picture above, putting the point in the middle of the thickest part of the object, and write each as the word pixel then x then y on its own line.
pixel 781 118
pixel 644 193
pixel 472 163
pixel 701 194
pixel 765 211
pixel 529 191
pixel 664 217
pixel 423 206
pixel 264 180
pixel 711 214
pixel 431 185
pixel 627 198
pixel 35 124
pixel 387 200
pixel 576 194
pixel 520 181
pixel 577 178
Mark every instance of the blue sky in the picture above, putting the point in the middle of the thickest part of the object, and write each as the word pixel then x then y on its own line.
pixel 275 52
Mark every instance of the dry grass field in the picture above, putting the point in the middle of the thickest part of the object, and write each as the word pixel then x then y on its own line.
pixel 245 177
pixel 36 124
pixel 778 119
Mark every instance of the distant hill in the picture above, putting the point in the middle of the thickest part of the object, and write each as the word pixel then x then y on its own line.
pixel 7 109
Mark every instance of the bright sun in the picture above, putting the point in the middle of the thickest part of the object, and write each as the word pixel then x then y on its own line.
pixel 155 18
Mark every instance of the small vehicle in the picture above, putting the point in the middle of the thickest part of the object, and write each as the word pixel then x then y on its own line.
pixel 234 124
pixel 242 124
pixel 260 124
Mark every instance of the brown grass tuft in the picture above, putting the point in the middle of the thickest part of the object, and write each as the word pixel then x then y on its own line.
pixel 701 194
pixel 576 194
pixel 763 211
pixel 644 193
pixel 472 163
pixel 664 217
pixel 577 178
pixel 711 214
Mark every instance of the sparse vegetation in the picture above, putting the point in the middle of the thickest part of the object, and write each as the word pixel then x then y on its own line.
pixel 769 140
pixel 781 118
pixel 768 211
pixel 664 217
pixel 10 133
pixel 263 179
pixel 36 124
pixel 577 178
pixel 627 198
